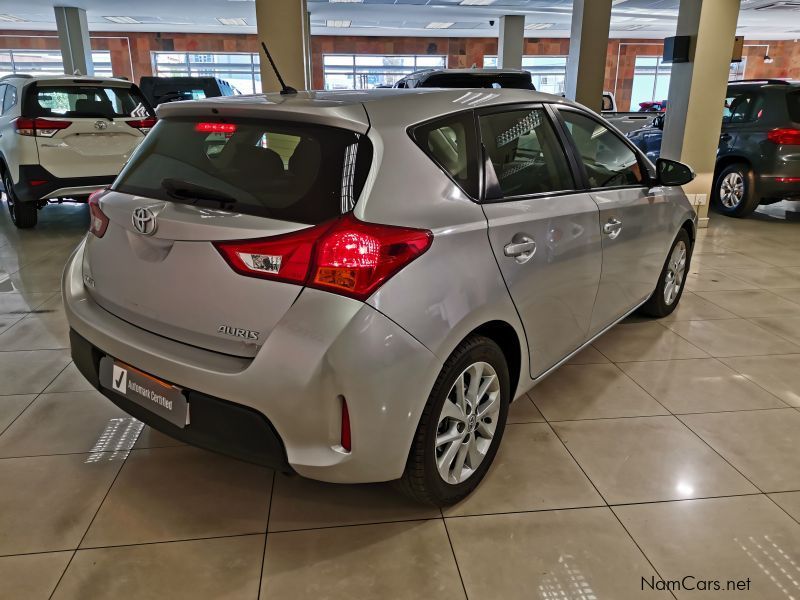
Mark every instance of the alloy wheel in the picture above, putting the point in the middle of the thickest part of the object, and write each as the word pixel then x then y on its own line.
pixel 676 270
pixel 467 423
pixel 9 198
pixel 731 189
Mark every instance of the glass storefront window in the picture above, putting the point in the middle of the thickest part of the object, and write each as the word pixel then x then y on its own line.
pixel 240 69
pixel 37 62
pixel 354 71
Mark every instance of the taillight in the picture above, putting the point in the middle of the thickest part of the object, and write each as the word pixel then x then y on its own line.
pixel 143 125
pixel 99 221
pixel 39 127
pixel 784 137
pixel 345 256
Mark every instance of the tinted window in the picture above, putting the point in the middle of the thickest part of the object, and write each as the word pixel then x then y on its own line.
pixel 451 143
pixel 2 94
pixel 743 107
pixel 608 103
pixel 85 102
pixel 281 170
pixel 479 80
pixel 793 101
pixel 608 160
pixel 525 153
pixel 10 99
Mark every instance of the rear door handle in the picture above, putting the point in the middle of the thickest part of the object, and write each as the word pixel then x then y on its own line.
pixel 522 248
pixel 612 228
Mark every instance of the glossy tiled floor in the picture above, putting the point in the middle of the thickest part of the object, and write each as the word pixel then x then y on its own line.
pixel 667 449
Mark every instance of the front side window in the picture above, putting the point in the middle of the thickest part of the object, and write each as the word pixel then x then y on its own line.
pixel 525 153
pixel 451 143
pixel 609 161
pixel 742 108
pixel 280 170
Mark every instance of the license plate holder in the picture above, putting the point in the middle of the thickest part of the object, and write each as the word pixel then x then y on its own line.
pixel 159 397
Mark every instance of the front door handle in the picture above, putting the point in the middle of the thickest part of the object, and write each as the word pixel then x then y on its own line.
pixel 521 249
pixel 612 228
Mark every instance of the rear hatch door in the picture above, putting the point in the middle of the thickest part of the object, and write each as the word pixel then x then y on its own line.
pixel 197 183
pixel 96 125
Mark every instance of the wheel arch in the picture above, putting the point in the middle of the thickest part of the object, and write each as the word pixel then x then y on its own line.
pixel 727 160
pixel 505 336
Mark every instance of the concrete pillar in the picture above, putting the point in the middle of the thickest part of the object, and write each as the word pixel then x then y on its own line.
pixel 512 41
pixel 588 46
pixel 697 92
pixel 73 35
pixel 284 26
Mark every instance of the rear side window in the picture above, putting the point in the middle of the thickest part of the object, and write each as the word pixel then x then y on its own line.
pixel 85 102
pixel 793 101
pixel 609 161
pixel 743 107
pixel 451 143
pixel 525 153
pixel 281 170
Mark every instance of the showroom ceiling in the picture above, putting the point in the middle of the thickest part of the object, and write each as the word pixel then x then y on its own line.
pixel 759 19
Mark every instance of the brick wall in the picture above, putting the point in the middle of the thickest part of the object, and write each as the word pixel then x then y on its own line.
pixel 130 52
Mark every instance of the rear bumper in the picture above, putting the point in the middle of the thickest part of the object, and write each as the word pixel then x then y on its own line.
pixel 37 183
pixel 779 187
pixel 216 424
pixel 325 348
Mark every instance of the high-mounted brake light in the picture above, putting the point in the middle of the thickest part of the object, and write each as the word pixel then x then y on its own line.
pixel 143 125
pixel 345 256
pixel 784 137
pixel 39 127
pixel 215 127
pixel 98 220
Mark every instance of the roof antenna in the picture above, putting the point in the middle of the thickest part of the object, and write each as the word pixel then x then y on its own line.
pixel 285 89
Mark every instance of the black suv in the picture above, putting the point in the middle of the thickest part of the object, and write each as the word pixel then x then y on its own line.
pixel 758 159
pixel 468 78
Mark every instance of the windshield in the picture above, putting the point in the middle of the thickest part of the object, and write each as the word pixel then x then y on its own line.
pixel 90 101
pixel 287 171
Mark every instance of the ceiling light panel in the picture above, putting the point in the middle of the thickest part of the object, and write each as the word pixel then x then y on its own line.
pixel 232 21
pixel 439 25
pixel 126 20
pixel 337 23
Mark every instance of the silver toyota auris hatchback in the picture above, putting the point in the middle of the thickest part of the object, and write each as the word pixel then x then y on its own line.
pixel 354 286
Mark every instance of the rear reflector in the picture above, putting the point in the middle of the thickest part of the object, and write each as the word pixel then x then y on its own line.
pixel 98 220
pixel 215 127
pixel 39 127
pixel 784 137
pixel 347 442
pixel 143 125
pixel 345 256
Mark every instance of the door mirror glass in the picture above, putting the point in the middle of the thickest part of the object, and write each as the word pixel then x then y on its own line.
pixel 672 172
pixel 658 122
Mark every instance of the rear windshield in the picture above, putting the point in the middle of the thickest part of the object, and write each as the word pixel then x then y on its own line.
pixel 520 81
pixel 94 101
pixel 281 170
pixel 794 106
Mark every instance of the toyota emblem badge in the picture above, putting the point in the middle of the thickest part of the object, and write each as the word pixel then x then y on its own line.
pixel 144 220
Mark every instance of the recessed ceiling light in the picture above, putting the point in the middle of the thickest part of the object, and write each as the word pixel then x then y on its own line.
pixel 476 2
pixel 122 19
pixel 337 23
pixel 438 25
pixel 538 25
pixel 232 21
pixel 345 1
pixel 13 19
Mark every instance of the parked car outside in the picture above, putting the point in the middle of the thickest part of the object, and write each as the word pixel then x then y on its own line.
pixel 158 90
pixel 354 286
pixel 64 137
pixel 758 158
pixel 468 78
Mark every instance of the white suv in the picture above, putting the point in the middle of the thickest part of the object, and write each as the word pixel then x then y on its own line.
pixel 65 137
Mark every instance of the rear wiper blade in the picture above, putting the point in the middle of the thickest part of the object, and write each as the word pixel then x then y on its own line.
pixel 192 193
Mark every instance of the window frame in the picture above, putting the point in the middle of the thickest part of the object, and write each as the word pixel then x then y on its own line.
pixel 644 167
pixel 490 178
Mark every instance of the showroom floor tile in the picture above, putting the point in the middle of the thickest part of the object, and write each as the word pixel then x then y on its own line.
pixel 595 487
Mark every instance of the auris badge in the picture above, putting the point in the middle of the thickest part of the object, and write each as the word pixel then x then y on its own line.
pixel 144 220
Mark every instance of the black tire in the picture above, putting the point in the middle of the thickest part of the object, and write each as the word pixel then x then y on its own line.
pixel 727 204
pixel 421 479
pixel 657 305
pixel 23 214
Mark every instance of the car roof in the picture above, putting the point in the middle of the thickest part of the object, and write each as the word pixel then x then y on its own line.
pixel 349 108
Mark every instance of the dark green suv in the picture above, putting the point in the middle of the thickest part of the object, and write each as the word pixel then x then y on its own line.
pixel 758 159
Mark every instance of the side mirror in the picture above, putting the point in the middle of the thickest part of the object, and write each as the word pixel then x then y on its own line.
pixel 672 172
pixel 658 122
